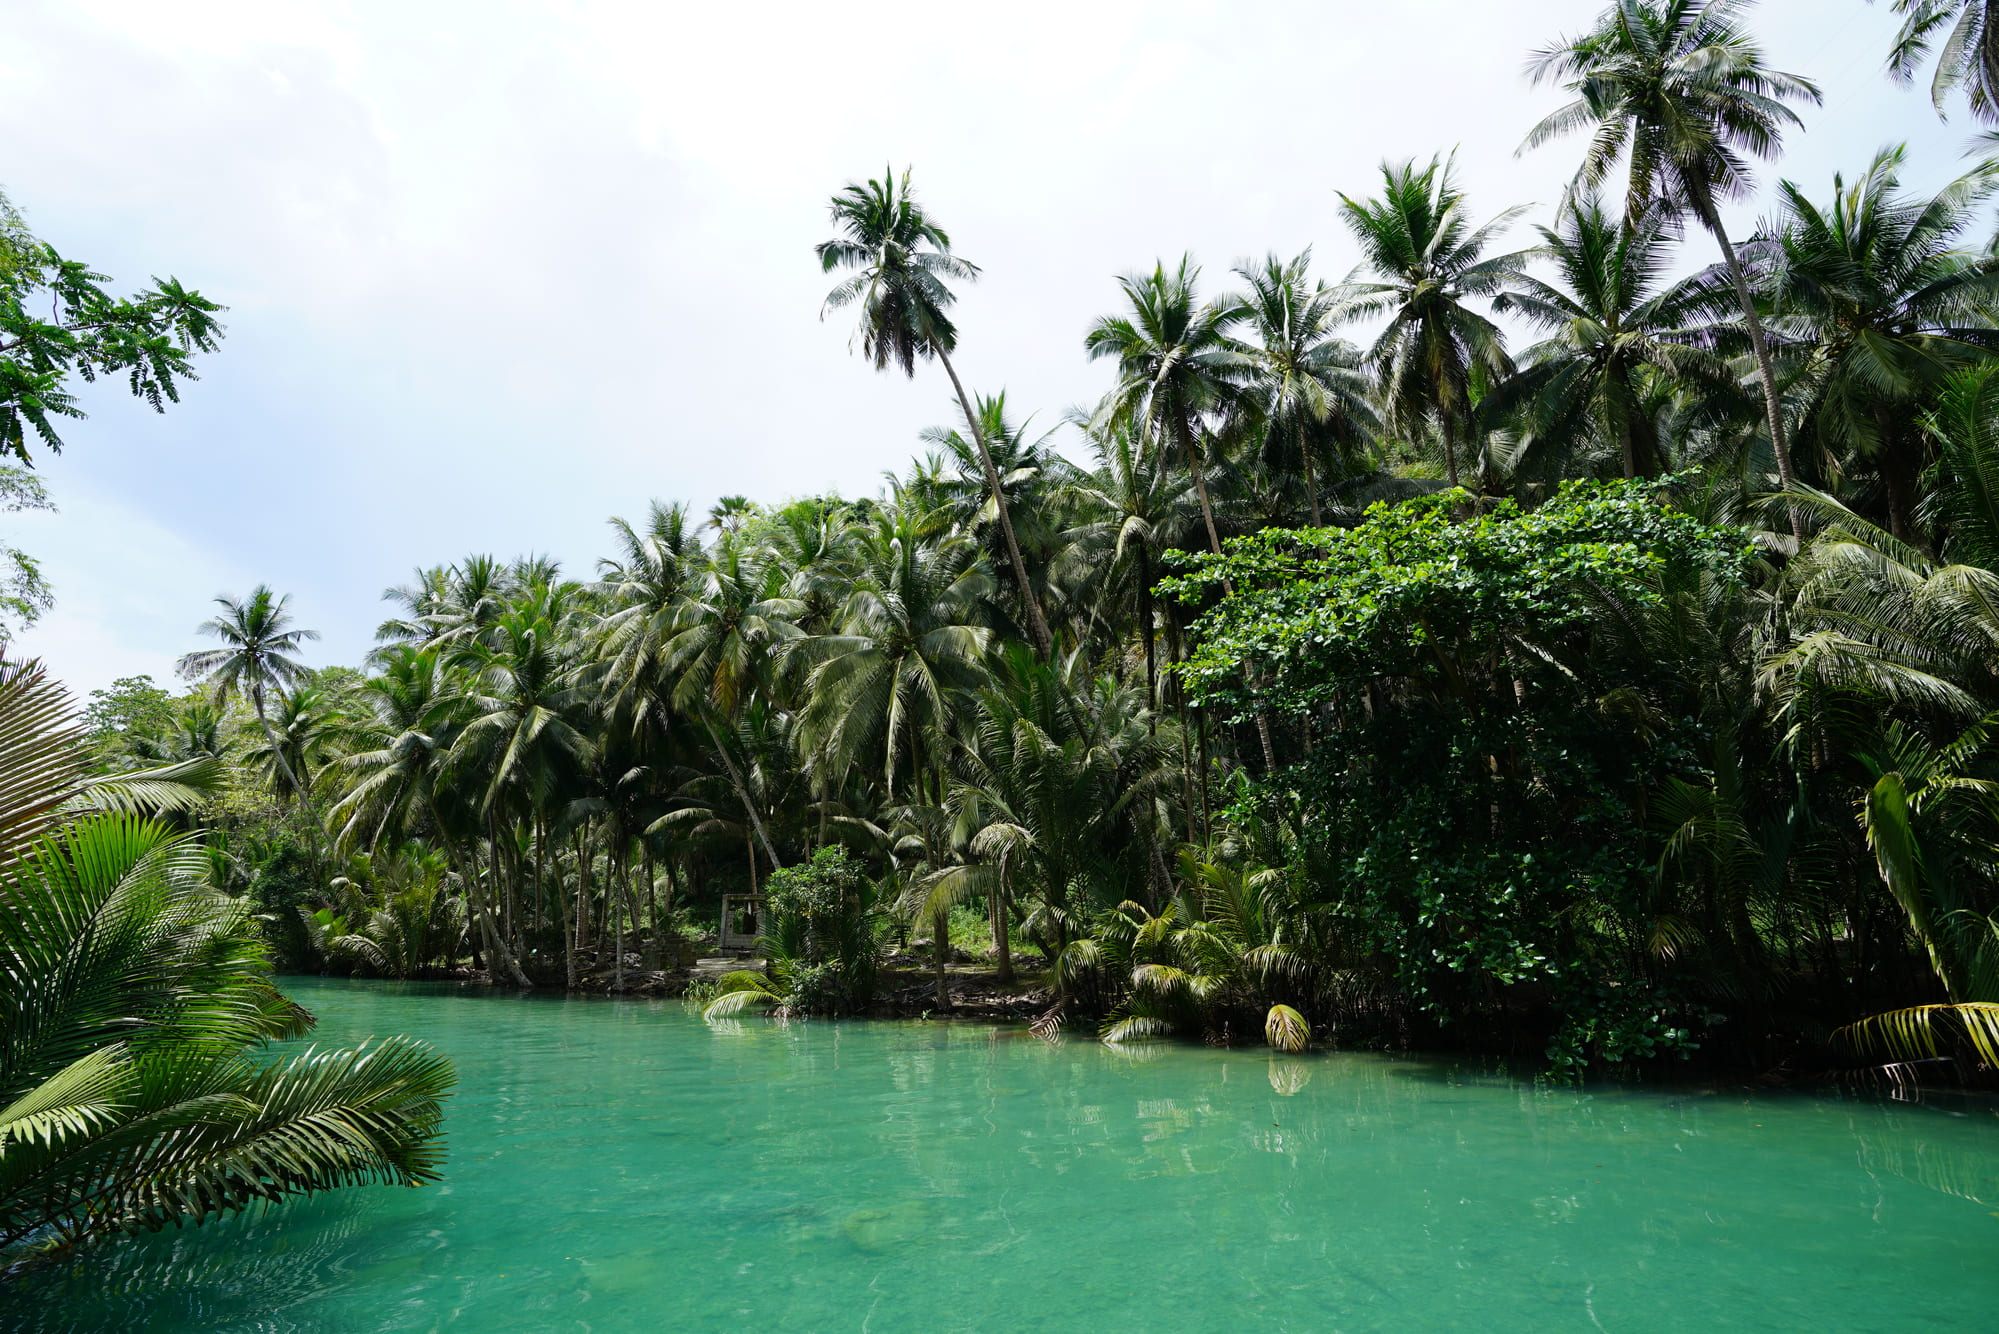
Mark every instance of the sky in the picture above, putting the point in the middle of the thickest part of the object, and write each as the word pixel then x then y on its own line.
pixel 498 271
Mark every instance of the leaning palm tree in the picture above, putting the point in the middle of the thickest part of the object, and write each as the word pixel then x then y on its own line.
pixel 901 259
pixel 1177 367
pixel 1968 59
pixel 1422 264
pixel 1677 88
pixel 1307 385
pixel 129 1097
pixel 258 658
pixel 1616 335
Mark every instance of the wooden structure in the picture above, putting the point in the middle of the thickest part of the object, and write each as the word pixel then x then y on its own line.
pixel 742 923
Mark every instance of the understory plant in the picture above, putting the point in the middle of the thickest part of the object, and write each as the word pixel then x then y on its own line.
pixel 136 1001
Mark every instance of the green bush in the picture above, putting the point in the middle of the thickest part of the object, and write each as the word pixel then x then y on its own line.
pixel 825 930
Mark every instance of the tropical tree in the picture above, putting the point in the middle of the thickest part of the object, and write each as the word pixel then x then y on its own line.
pixel 1307 386
pixel 884 691
pixel 129 1097
pixel 1177 368
pixel 1967 60
pixel 1882 304
pixel 258 658
pixel 1617 337
pixel 1422 263
pixel 1677 90
pixel 901 259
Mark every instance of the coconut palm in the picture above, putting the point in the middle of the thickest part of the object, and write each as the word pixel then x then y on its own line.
pixel 1306 385
pixel 258 658
pixel 1968 58
pixel 1422 264
pixel 1177 368
pixel 733 621
pixel 1883 304
pixel 1617 335
pixel 128 1096
pixel 901 259
pixel 886 689
pixel 416 708
pixel 1677 90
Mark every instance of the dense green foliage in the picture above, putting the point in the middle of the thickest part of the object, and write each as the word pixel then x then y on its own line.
pixel 1616 692
pixel 135 996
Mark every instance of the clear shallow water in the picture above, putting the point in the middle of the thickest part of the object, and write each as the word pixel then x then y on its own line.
pixel 621 1166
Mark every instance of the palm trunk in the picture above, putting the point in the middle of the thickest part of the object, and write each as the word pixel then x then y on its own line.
pixel 742 790
pixel 1145 629
pixel 1037 625
pixel 500 961
pixel 1200 489
pixel 1773 408
pixel 1311 482
pixel 1228 588
pixel 1002 947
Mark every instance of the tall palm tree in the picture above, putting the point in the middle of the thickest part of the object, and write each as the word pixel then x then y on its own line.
pixel 733 621
pixel 1422 263
pixel 1677 88
pixel 1877 293
pixel 1177 367
pixel 1306 384
pixel 1615 335
pixel 1031 473
pixel 885 690
pixel 901 259
pixel 416 709
pixel 258 657
pixel 1968 59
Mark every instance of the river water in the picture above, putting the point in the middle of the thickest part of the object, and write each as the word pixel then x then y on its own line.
pixel 621 1166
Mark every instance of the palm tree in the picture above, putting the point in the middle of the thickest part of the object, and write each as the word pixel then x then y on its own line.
pixel 257 658
pixel 885 690
pixel 526 735
pixel 1421 262
pixel 1883 305
pixel 1031 472
pixel 1177 366
pixel 1615 338
pixel 1678 88
pixel 416 709
pixel 1969 58
pixel 902 258
pixel 130 1097
pixel 1306 385
pixel 730 625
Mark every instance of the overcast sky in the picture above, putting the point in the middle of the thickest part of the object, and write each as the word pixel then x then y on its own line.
pixel 496 271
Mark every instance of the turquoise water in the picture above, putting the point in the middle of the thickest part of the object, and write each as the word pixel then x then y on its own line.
pixel 621 1166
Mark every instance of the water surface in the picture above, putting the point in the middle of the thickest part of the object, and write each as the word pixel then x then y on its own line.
pixel 621 1166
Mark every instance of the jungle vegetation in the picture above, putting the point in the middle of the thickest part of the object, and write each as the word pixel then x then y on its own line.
pixel 1569 635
